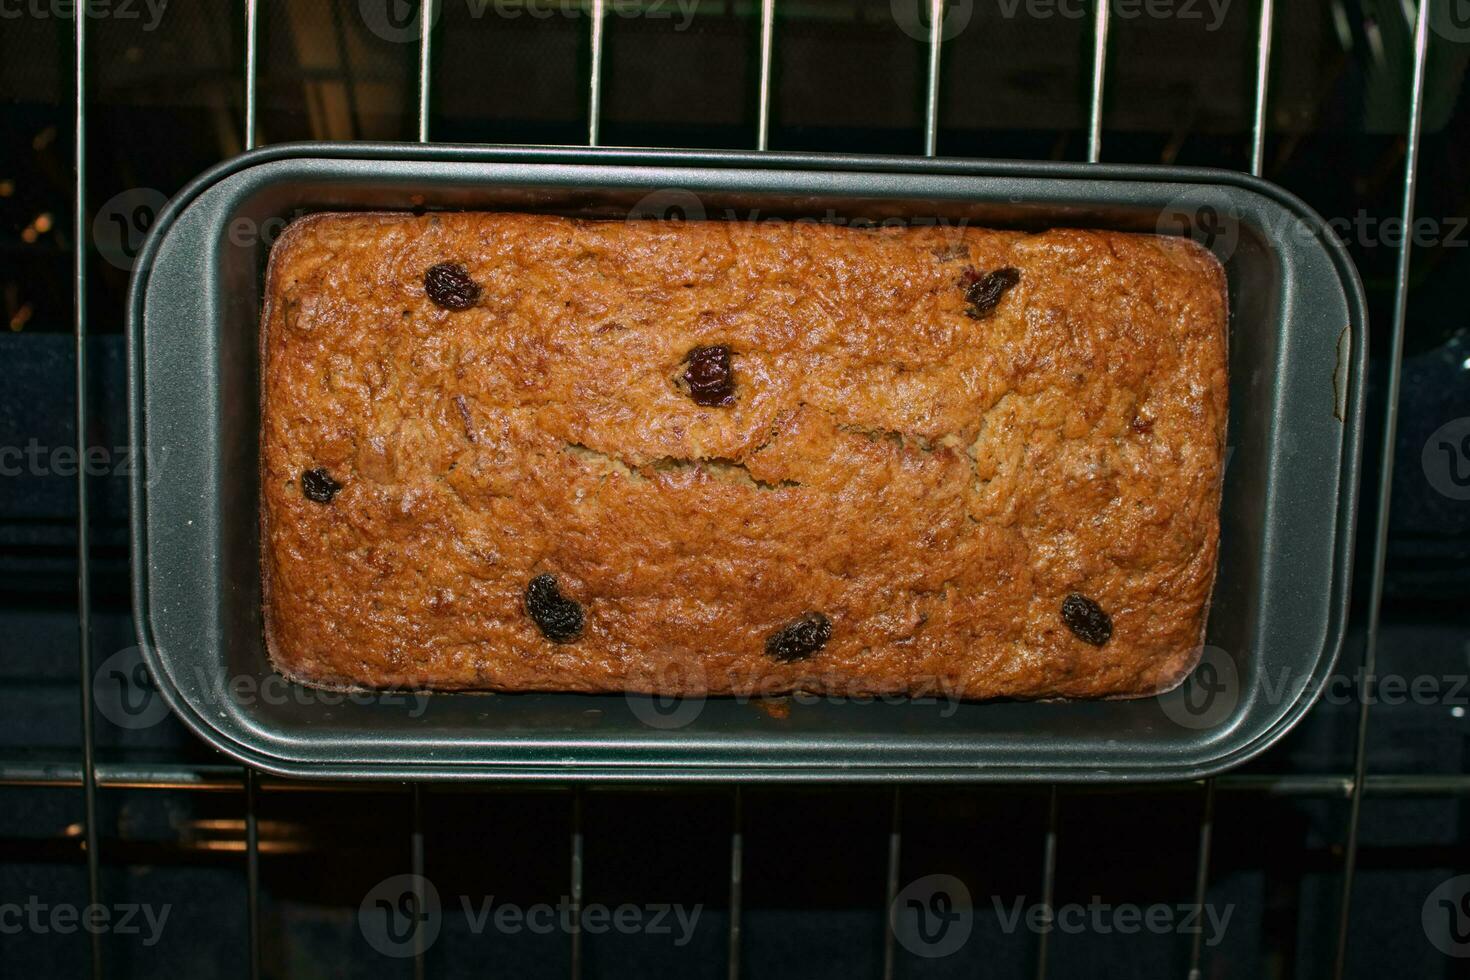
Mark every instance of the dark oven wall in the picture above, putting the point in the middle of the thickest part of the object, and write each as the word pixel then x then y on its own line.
pixel 201 867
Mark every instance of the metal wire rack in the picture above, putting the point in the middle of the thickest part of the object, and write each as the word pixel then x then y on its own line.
pixel 90 775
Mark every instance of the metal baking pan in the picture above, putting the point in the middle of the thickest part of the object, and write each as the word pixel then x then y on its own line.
pixel 1297 354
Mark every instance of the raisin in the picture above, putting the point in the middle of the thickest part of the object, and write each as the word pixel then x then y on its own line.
pixel 1142 425
pixel 449 284
pixel 800 638
pixel 319 486
pixel 559 618
pixel 985 293
pixel 710 377
pixel 1086 618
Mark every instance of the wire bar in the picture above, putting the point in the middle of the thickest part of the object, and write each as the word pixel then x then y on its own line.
pixel 252 11
pixel 768 31
pixel 416 834
pixel 1202 873
pixel 252 873
pixel 1099 69
pixel 1385 482
pixel 594 85
pixel 737 875
pixel 426 33
pixel 84 541
pixel 89 774
pixel 252 826
pixel 1048 877
pixel 1094 154
pixel 594 116
pixel 895 853
pixel 931 99
pixel 416 858
pixel 576 884
pixel 228 778
pixel 345 75
pixel 1258 150
pixel 1263 78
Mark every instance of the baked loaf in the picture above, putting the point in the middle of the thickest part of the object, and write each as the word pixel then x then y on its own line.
pixel 522 452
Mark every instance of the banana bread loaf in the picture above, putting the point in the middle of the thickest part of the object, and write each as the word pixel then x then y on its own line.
pixel 522 452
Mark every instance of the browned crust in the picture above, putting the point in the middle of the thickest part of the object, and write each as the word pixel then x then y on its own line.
pixel 279 248
pixel 932 482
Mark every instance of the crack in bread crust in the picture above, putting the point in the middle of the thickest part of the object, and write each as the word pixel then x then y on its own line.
pixel 933 484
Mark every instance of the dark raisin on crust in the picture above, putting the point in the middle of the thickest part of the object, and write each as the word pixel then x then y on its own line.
pixel 319 486
pixel 449 285
pixel 1142 425
pixel 800 638
pixel 559 618
pixel 1087 619
pixel 985 292
pixel 710 377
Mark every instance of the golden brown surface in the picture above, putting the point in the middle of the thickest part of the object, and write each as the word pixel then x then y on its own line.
pixel 932 483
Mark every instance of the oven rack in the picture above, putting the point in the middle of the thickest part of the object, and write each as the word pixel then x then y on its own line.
pixel 89 774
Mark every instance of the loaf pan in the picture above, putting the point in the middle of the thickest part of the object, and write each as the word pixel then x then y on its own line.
pixel 1297 353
